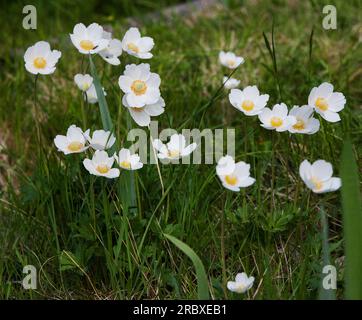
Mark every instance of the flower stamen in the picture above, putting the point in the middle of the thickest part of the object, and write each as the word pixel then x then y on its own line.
pixel 321 104
pixel 247 105
pixel 75 146
pixel 276 122
pixel 102 168
pixel 173 153
pixel 300 125
pixel 131 46
pixel 86 45
pixel 40 63
pixel 318 185
pixel 139 87
pixel 231 180
pixel 125 164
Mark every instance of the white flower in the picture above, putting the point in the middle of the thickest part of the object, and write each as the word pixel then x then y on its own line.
pixel 277 118
pixel 318 176
pixel 230 60
pixel 112 51
pixel 128 161
pixel 39 58
pixel 326 102
pixel 176 148
pixel 241 284
pixel 136 45
pixel 249 100
pixel 230 83
pixel 101 165
pixel 92 94
pixel 140 86
pixel 88 40
pixel 83 81
pixel 100 140
pixel 73 142
pixel 142 115
pixel 233 175
pixel 306 123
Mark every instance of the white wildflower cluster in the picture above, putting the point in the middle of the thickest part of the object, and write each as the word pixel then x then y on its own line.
pixel 142 98
pixel 322 99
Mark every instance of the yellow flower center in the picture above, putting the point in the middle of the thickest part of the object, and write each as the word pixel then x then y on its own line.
pixel 137 109
pixel 300 125
pixel 40 63
pixel 231 180
pixel 276 122
pixel 173 153
pixel 131 46
pixel 317 183
pixel 75 146
pixel 240 287
pixel 102 168
pixel 247 105
pixel 230 63
pixel 125 164
pixel 85 86
pixel 139 87
pixel 321 104
pixel 86 45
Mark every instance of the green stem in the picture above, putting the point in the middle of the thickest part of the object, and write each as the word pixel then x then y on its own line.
pixel 157 164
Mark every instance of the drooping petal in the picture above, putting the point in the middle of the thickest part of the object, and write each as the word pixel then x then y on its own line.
pixel 140 117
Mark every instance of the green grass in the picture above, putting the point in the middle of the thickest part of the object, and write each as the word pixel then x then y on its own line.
pixel 75 228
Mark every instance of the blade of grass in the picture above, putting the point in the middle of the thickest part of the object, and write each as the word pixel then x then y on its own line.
pixel 352 223
pixel 127 192
pixel 272 53
pixel 202 284
pixel 103 106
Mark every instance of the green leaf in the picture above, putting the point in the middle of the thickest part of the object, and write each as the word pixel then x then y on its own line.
pixel 202 284
pixel 102 102
pixel 68 261
pixel 352 223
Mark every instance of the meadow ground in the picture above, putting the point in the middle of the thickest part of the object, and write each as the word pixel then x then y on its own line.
pixel 74 229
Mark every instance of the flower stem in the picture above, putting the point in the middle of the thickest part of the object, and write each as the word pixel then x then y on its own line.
pixel 84 97
pixel 222 244
pixel 157 164
pixel 35 111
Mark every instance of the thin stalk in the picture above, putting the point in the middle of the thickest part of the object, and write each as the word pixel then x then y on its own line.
pixel 82 105
pixel 35 112
pixel 273 167
pixel 157 164
pixel 222 244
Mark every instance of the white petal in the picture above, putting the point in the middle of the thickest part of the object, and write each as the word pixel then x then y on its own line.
pixel 145 44
pixel 325 90
pixel 140 117
pixel 336 101
pixel 189 149
pixel 305 170
pixel 322 170
pixel 330 116
pixel 88 164
pixel 280 110
pixel 113 173
pixel 155 109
